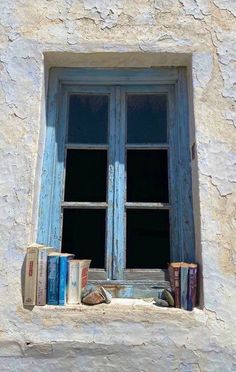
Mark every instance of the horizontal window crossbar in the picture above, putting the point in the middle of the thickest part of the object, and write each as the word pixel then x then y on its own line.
pixel 133 205
pixel 87 205
pixel 152 283
pixel 128 205
pixel 147 146
pixel 86 146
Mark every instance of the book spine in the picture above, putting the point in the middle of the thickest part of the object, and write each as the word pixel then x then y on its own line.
pixel 42 277
pixel 73 284
pixel 177 286
pixel 31 276
pixel 53 280
pixel 63 272
pixel 84 279
pixel 171 277
pixel 192 288
pixel 184 287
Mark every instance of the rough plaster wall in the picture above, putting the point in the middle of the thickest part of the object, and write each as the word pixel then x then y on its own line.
pixel 125 338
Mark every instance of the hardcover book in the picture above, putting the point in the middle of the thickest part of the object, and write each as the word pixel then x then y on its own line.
pixel 41 295
pixel 77 279
pixel 53 278
pixel 184 285
pixel 31 274
pixel 192 286
pixel 63 276
pixel 174 274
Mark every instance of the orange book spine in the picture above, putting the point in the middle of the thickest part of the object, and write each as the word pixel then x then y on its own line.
pixel 174 274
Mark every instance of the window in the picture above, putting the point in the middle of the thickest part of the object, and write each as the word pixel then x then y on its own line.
pixel 116 180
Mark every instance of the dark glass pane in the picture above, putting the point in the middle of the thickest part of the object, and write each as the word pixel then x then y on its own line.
pixel 86 175
pixel 84 234
pixel 88 118
pixel 146 118
pixel 147 176
pixel 147 241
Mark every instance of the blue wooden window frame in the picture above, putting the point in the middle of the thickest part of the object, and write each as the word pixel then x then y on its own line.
pixel 117 83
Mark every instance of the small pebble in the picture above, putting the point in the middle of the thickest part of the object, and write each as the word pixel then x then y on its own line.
pixel 93 298
pixel 160 302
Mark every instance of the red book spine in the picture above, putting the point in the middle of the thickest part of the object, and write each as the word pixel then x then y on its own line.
pixel 177 286
pixel 192 288
pixel 84 277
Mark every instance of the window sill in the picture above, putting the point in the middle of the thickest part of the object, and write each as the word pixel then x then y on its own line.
pixel 117 306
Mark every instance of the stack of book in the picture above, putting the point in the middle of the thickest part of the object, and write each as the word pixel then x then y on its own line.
pixel 53 278
pixel 183 281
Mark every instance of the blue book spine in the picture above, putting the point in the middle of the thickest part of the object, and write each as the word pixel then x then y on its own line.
pixel 184 287
pixel 63 273
pixel 53 280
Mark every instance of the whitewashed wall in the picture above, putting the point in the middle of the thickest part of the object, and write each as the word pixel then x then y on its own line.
pixel 200 34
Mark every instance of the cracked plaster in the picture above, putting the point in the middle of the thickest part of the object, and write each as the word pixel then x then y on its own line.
pixel 197 33
pixel 196 8
pixel 229 5
pixel 203 72
pixel 108 10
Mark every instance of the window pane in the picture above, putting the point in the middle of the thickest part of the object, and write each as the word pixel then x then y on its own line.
pixel 146 118
pixel 147 176
pixel 147 239
pixel 86 175
pixel 88 118
pixel 84 234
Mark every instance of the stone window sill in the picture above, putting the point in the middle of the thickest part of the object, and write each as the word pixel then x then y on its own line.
pixel 117 307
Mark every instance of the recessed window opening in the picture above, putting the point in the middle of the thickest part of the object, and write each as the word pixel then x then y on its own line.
pixel 120 175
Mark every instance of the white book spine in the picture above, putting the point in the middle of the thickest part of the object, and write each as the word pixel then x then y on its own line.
pixel 42 277
pixel 73 283
pixel 31 276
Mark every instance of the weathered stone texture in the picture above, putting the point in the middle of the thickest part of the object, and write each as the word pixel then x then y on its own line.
pixel 200 34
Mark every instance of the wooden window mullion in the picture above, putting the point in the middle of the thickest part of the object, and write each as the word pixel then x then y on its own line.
pixel 119 188
pixel 110 183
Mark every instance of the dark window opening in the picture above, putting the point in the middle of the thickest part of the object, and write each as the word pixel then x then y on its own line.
pixel 147 239
pixel 146 118
pixel 86 173
pixel 88 118
pixel 147 176
pixel 84 234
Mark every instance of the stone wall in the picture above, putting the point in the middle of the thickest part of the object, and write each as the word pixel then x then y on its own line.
pixel 128 335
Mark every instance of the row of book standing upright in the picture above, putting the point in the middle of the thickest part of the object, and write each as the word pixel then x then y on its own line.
pixel 53 278
pixel 183 281
pixel 58 279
